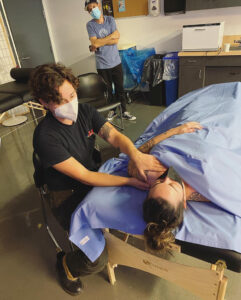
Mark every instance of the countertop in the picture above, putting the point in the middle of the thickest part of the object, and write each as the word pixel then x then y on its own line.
pixel 210 53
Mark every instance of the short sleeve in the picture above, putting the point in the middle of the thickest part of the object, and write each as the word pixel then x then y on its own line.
pixel 50 149
pixel 90 30
pixel 97 119
pixel 113 24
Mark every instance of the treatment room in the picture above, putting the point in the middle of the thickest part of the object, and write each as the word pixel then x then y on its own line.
pixel 120 149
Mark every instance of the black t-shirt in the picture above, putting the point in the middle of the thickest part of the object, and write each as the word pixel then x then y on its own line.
pixel 55 142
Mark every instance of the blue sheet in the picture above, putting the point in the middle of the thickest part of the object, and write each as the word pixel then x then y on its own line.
pixel 209 160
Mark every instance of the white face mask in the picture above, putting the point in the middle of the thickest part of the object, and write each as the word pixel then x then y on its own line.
pixel 68 111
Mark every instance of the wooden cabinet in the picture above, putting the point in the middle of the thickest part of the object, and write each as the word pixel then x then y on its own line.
pixel 191 74
pixel 207 4
pixel 196 72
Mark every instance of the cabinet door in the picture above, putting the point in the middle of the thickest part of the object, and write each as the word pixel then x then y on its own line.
pixel 222 74
pixel 207 4
pixel 190 78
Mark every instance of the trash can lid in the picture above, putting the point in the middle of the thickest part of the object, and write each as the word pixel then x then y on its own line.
pixel 171 55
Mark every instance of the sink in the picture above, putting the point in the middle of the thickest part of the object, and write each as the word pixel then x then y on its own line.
pixel 237 48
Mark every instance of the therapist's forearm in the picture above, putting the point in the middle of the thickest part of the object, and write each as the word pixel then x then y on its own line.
pixel 72 168
pixel 125 145
pixel 103 179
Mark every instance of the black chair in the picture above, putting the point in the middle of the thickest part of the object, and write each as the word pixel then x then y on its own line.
pixel 44 194
pixel 93 90
pixel 40 183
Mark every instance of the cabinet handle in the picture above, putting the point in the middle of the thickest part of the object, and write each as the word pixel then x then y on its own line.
pixel 200 74
pixel 25 58
pixel 192 61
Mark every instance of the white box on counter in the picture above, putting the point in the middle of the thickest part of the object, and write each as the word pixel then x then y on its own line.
pixel 202 37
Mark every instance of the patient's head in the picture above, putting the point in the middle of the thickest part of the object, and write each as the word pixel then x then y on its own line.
pixel 47 79
pixel 163 210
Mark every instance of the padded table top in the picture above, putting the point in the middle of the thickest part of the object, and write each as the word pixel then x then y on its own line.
pixel 8 101
pixel 17 88
pixel 212 255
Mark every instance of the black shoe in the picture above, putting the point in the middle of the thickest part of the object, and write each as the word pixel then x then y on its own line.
pixel 127 116
pixel 73 287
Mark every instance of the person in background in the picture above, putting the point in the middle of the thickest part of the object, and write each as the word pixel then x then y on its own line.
pixel 104 38
pixel 65 143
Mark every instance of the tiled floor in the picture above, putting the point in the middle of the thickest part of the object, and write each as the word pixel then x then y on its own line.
pixel 27 255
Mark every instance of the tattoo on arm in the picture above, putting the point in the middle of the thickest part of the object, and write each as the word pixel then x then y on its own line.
pixel 105 132
pixel 146 148
pixel 195 196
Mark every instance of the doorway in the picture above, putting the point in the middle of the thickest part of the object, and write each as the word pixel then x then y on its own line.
pixel 28 26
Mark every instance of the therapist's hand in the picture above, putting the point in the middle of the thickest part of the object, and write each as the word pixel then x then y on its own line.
pixel 187 128
pixel 146 162
pixel 139 184
pixel 132 170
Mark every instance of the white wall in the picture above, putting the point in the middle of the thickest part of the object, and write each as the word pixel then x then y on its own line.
pixel 67 21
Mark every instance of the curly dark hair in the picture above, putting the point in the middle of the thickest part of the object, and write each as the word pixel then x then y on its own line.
pixel 46 79
pixel 161 218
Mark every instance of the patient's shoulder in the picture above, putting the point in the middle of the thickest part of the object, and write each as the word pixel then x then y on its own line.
pixel 195 196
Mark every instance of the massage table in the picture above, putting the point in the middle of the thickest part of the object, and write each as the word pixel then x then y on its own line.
pixel 205 283
pixel 7 102
pixel 211 231
pixel 15 93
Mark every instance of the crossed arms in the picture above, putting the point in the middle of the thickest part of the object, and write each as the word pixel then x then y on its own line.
pixel 111 39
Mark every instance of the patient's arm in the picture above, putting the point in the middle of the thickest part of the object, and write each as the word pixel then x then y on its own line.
pixel 146 147
pixel 184 128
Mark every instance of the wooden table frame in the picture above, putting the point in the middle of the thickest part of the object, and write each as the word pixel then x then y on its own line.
pixel 207 284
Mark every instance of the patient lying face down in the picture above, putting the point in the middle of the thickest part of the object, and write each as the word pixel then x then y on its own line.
pixel 166 200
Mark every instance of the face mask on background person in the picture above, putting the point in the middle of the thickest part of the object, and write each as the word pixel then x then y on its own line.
pixel 68 110
pixel 95 13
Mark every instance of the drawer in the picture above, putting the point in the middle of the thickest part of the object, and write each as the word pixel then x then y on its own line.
pixel 222 75
pixel 223 61
pixel 192 61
